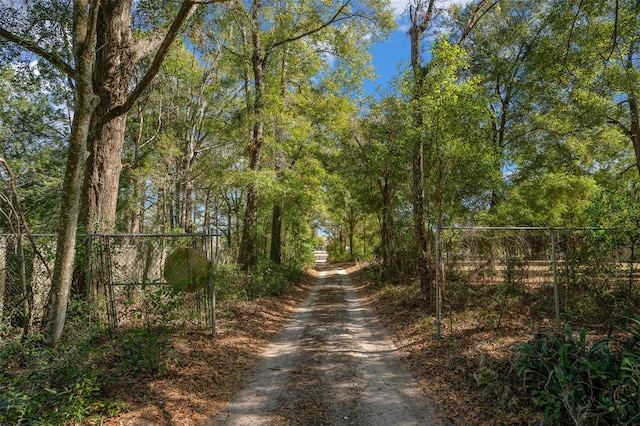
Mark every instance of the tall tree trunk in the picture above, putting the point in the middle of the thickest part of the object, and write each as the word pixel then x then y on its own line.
pixel 352 221
pixel 276 218
pixel 85 104
pixel 138 209
pixel 385 229
pixel 635 128
pixel 276 234
pixel 187 205
pixel 194 136
pixel 113 65
pixel 115 60
pixel 3 273
pixel 634 113
pixel 247 256
pixel 110 49
pixel 420 15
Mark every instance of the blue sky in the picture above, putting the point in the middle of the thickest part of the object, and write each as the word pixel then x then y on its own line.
pixel 387 57
pixel 393 53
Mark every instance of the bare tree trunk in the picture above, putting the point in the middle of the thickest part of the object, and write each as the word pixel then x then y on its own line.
pixel 84 21
pixel 137 212
pixel 421 15
pixel 105 25
pixel 119 52
pixel 352 221
pixel 193 140
pixel 113 65
pixel 247 256
pixel 65 248
pixel 635 128
pixel 276 234
pixel 187 204
pixel 385 229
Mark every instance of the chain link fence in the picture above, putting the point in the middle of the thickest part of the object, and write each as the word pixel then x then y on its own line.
pixel 500 278
pixel 490 278
pixel 25 279
pixel 133 280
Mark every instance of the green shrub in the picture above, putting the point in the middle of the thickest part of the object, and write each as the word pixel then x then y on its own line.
pixel 156 306
pixel 574 382
pixel 337 253
pixel 271 279
pixel 230 282
pixel 145 350
pixel 266 279
pixel 55 387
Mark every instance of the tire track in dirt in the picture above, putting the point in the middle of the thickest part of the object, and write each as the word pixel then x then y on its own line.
pixel 333 364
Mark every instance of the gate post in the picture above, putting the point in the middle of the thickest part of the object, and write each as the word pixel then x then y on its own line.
pixel 211 285
pixel 556 290
pixel 438 278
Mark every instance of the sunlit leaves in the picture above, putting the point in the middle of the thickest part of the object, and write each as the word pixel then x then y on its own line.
pixel 552 199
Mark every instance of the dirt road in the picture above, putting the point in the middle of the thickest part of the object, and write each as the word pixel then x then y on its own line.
pixel 333 364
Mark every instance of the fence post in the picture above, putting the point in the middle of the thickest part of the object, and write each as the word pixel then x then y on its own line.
pixel 212 284
pixel 556 290
pixel 438 261
pixel 89 287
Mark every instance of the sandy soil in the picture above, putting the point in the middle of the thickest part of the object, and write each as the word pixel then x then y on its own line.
pixel 332 364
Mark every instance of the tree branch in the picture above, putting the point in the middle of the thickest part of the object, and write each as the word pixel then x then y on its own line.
pixel 54 60
pixel 476 16
pixel 186 10
pixel 614 36
pixel 571 30
pixel 324 25
pixel 620 126
pixel 17 208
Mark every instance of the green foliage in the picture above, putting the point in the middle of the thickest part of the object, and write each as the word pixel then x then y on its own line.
pixel 68 383
pixel 270 279
pixel 338 253
pixel 266 279
pixel 40 385
pixel 145 350
pixel 32 132
pixel 553 199
pixel 618 207
pixel 158 307
pixel 572 380
pixel 71 399
pixel 230 282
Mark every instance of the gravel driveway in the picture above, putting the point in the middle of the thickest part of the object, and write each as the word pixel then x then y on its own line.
pixel 333 364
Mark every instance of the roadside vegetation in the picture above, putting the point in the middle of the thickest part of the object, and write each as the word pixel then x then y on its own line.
pixel 176 371
pixel 98 373
pixel 508 376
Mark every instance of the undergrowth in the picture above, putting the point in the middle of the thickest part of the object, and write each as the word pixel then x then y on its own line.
pixel 266 279
pixel 53 385
pixel 574 382
pixel 70 383
pixel 76 381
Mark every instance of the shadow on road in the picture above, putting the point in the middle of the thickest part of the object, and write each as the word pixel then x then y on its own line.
pixel 332 364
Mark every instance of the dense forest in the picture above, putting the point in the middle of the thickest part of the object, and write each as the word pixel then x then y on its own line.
pixel 249 119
